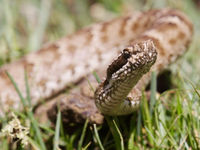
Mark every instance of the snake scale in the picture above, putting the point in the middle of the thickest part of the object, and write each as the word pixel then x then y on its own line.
pixel 133 45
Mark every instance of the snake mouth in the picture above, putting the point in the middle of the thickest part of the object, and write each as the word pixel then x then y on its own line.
pixel 139 57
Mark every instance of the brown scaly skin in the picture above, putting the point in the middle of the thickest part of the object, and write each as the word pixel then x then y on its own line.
pixel 52 69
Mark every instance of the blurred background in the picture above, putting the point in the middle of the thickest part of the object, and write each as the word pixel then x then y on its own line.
pixel 25 25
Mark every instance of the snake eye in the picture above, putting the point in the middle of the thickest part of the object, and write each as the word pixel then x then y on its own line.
pixel 126 54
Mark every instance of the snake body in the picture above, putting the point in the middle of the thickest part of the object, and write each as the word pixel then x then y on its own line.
pixel 69 60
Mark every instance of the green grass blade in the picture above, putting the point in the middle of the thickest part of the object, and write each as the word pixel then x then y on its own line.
pixel 153 92
pixel 33 144
pixel 80 143
pixel 37 35
pixel 119 142
pixel 47 128
pixel 195 89
pixel 132 133
pixel 86 147
pixel 139 122
pixel 57 132
pixel 29 113
pixel 171 138
pixel 97 137
pixel 9 25
pixel 36 128
pixel 120 135
pixel 147 117
pixel 17 90
pixel 28 97
pixel 96 77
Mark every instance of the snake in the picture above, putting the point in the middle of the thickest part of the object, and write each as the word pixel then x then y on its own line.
pixel 122 75
pixel 124 50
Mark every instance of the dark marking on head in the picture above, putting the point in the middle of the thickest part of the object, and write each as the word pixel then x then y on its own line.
pixel 116 65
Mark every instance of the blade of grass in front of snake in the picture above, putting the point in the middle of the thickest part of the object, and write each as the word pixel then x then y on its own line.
pixel 153 92
pixel 57 132
pixel 96 77
pixel 147 117
pixel 29 113
pixel 139 122
pixel 195 89
pixel 119 142
pixel 80 143
pixel 86 147
pixel 34 144
pixel 91 87
pixel 120 135
pixel 170 137
pixel 97 137
pixel 132 133
pixel 28 97
pixel 17 90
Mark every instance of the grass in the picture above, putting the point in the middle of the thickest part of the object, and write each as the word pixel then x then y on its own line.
pixel 170 121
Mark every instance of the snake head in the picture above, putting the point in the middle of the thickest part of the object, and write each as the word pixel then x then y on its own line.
pixel 133 61
pixel 122 75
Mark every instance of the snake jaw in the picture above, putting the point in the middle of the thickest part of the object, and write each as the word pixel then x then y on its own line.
pixel 122 75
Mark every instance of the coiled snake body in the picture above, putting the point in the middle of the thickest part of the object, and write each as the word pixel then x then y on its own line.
pixel 144 36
